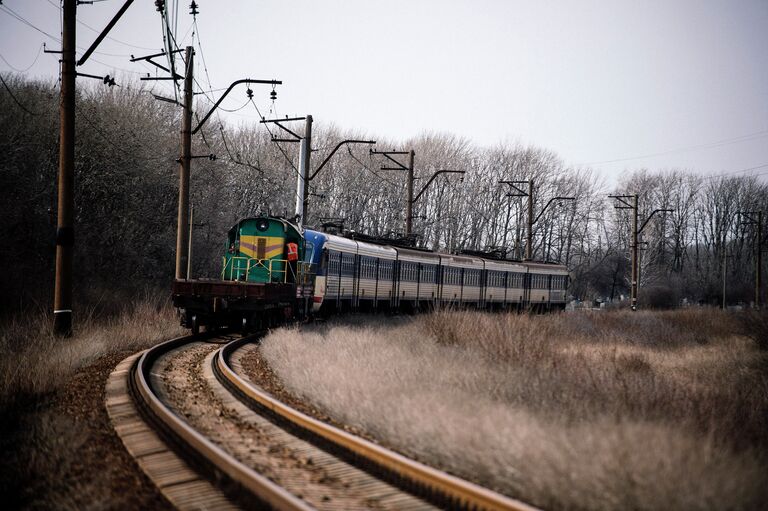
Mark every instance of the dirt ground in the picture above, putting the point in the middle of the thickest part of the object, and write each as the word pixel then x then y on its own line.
pixel 59 450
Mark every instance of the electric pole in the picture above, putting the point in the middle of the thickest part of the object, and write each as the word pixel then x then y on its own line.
pixel 725 268
pixel 302 184
pixel 409 193
pixel 182 233
pixel 305 174
pixel 65 228
pixel 759 262
pixel 409 184
pixel 529 236
pixel 635 239
pixel 519 192
pixel 65 232
pixel 635 263
pixel 756 218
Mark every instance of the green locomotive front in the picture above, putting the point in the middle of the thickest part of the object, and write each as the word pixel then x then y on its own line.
pixel 264 250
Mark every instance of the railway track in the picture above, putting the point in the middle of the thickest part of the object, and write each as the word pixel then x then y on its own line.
pixel 209 437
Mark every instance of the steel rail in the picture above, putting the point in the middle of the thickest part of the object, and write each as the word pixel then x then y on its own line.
pixel 458 491
pixel 189 439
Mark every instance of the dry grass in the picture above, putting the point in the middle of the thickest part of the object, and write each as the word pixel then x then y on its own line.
pixel 58 447
pixel 34 361
pixel 651 410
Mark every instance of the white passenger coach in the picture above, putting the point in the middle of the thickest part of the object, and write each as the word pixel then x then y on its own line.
pixel 361 275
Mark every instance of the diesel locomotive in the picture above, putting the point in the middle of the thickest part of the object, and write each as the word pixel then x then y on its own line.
pixel 272 271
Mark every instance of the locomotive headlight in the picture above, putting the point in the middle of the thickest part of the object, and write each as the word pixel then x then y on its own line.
pixel 262 225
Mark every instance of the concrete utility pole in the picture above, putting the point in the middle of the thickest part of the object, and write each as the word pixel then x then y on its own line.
pixel 302 183
pixel 65 231
pixel 759 260
pixel 725 268
pixel 182 226
pixel 529 232
pixel 635 241
pixel 305 174
pixel 756 218
pixel 409 191
pixel 635 262
pixel 408 185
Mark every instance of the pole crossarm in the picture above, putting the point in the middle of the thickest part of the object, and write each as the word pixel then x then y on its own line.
pixel 296 136
pixel 287 119
pixel 640 230
pixel 338 146
pixel 622 200
pixel 748 215
pixel 229 89
pixel 548 203
pixel 513 184
pixel 388 155
pixel 149 58
pixel 104 32
pixel 433 178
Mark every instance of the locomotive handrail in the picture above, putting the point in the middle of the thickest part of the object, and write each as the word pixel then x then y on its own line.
pixel 304 268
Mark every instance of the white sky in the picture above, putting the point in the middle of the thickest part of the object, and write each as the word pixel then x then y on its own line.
pixel 651 83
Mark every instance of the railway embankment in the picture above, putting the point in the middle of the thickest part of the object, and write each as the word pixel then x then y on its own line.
pixel 601 410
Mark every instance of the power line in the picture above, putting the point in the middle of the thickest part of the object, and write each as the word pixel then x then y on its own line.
pixel 9 11
pixel 369 169
pixel 708 145
pixel 39 51
pixel 730 173
pixel 16 99
pixel 289 160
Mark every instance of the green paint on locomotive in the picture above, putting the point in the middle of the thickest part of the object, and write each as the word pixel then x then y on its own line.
pixel 257 250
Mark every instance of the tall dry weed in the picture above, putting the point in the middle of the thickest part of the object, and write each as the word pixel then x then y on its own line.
pixel 33 360
pixel 648 410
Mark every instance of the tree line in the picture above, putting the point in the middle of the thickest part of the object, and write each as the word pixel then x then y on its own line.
pixel 127 182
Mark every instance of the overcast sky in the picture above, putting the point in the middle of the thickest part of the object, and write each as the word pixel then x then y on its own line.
pixel 612 84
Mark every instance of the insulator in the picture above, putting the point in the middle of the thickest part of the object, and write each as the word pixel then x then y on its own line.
pixel 193 8
pixel 249 93
pixel 160 4
pixel 273 95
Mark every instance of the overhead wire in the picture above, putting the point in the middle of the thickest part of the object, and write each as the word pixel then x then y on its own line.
pixel 39 52
pixel 15 99
pixel 730 173
pixel 369 169
pixel 287 158
pixel 709 145
pixel 14 14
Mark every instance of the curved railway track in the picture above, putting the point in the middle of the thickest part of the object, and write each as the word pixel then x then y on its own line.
pixel 319 466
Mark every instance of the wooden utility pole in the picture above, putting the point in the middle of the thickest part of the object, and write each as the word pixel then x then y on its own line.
pixel 65 232
pixel 182 226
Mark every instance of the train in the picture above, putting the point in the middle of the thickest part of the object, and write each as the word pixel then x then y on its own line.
pixel 273 270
